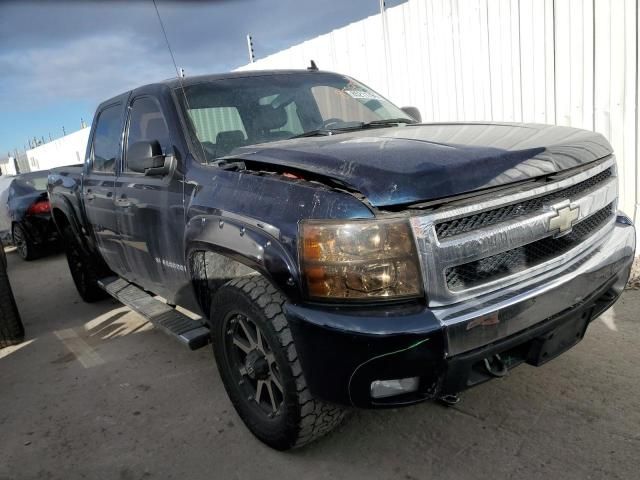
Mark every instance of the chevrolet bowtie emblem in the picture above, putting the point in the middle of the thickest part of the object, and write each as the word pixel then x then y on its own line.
pixel 563 220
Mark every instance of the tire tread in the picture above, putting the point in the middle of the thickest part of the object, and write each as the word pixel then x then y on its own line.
pixel 317 418
pixel 90 291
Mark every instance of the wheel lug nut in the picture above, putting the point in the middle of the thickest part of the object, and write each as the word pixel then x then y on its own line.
pixel 250 397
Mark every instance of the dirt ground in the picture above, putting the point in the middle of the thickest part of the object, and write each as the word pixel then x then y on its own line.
pixel 97 393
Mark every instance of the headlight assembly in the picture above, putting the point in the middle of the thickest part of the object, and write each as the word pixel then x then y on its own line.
pixel 359 259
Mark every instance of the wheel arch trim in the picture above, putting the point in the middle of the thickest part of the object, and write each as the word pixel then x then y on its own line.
pixel 221 247
pixel 64 211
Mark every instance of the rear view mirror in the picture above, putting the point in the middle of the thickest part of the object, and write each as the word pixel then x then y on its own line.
pixel 146 157
pixel 413 112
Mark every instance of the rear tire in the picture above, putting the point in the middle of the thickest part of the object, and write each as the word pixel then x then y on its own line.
pixel 84 270
pixel 253 346
pixel 24 246
pixel 11 328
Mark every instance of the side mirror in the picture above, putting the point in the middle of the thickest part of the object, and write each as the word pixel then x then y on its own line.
pixel 146 157
pixel 413 112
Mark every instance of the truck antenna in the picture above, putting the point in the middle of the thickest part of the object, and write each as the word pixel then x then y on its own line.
pixel 313 67
pixel 179 72
pixel 166 39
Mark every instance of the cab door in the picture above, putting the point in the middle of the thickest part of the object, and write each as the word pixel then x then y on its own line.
pixel 98 186
pixel 150 206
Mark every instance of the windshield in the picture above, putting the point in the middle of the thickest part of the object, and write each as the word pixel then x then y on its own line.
pixel 234 112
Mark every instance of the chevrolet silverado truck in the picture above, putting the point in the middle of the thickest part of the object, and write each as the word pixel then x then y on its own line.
pixel 339 252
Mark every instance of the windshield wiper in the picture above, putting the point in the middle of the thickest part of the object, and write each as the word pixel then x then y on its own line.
pixel 350 126
pixel 318 132
pixel 388 121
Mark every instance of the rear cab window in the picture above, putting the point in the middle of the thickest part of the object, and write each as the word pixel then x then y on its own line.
pixel 219 128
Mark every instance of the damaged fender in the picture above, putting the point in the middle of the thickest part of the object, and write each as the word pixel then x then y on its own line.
pixel 226 242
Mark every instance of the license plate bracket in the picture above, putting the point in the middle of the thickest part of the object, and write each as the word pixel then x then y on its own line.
pixel 558 340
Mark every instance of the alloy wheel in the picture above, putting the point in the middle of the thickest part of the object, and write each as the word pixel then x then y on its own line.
pixel 20 242
pixel 254 365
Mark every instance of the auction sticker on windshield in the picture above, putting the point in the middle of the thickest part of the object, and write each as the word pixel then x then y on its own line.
pixel 362 94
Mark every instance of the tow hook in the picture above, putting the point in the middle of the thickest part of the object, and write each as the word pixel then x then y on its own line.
pixel 496 366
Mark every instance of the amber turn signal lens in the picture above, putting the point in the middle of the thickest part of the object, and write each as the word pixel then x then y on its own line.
pixel 311 247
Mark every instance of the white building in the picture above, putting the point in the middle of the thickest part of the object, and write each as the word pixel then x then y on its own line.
pixel 67 150
pixel 569 63
pixel 8 165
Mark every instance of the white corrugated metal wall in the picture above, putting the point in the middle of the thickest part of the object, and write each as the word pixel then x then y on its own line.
pixel 570 62
pixel 67 150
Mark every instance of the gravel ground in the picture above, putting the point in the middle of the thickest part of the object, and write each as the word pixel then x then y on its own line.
pixel 634 279
pixel 96 392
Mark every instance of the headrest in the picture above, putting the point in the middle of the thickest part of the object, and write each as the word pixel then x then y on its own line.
pixel 268 118
pixel 227 141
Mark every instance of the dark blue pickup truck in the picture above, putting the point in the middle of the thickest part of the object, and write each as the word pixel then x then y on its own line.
pixel 341 253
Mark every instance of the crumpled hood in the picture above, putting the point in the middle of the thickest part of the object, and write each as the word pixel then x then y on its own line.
pixel 403 165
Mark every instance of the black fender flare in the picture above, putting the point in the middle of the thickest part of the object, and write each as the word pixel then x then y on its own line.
pixel 247 241
pixel 65 209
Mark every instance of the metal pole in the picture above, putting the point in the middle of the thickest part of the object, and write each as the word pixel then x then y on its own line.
pixel 16 165
pixel 252 56
pixel 385 41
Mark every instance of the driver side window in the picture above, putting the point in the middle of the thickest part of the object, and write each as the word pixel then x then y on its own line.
pixel 147 123
pixel 106 140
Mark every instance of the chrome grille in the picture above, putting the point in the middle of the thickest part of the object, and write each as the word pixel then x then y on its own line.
pixel 499 240
pixel 508 212
pixel 519 259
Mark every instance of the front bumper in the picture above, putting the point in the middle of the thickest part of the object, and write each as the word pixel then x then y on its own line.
pixel 342 350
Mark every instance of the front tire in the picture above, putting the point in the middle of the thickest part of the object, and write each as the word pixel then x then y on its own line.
pixel 259 366
pixel 83 268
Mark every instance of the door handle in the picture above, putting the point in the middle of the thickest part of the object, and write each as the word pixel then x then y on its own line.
pixel 109 194
pixel 88 195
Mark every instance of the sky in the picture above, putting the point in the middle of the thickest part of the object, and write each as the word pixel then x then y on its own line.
pixel 58 60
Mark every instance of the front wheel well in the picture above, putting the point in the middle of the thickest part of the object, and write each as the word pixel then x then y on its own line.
pixel 210 270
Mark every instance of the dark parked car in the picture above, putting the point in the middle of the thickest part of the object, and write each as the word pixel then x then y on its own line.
pixel 32 228
pixel 11 328
pixel 341 253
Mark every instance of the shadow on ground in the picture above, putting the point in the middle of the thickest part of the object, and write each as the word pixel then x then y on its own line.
pixel 97 393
